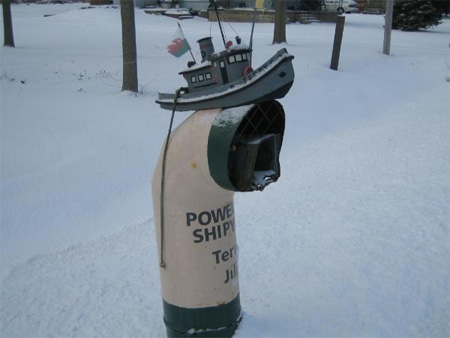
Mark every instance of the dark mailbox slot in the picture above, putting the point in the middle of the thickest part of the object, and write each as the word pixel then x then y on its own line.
pixel 253 142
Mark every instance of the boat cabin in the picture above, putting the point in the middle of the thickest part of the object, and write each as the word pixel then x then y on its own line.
pixel 219 68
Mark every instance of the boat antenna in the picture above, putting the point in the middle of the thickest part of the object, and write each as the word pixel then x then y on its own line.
pixel 213 2
pixel 251 37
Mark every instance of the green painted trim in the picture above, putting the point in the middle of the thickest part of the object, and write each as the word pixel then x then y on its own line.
pixel 220 139
pixel 217 321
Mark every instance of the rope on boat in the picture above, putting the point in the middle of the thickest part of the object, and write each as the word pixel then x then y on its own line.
pixel 162 263
pixel 213 2
pixel 227 20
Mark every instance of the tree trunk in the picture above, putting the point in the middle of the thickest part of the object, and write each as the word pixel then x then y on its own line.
pixel 279 34
pixel 388 27
pixel 7 24
pixel 130 81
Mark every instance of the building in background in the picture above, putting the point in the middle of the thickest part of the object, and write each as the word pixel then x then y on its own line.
pixel 198 5
pixel 192 4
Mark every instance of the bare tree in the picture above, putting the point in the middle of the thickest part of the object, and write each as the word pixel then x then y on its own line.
pixel 130 81
pixel 279 34
pixel 7 24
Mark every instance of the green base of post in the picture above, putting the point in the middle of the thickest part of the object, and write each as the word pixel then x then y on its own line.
pixel 217 321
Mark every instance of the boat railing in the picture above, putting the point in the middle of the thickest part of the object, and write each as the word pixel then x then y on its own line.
pixel 265 65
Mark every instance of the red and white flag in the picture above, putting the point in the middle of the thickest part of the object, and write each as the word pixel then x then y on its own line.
pixel 178 44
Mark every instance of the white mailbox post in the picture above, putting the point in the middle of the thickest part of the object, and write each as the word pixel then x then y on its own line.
pixel 210 156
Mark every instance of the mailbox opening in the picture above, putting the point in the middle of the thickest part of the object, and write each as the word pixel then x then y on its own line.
pixel 253 162
pixel 252 141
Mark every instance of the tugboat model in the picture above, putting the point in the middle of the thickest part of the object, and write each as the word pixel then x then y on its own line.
pixel 226 79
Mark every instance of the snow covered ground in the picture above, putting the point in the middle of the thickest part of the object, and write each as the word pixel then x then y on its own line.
pixel 353 240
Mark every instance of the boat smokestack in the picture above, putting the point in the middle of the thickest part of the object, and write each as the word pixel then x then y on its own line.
pixel 206 48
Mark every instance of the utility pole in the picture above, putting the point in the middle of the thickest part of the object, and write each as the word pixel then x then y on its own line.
pixel 388 27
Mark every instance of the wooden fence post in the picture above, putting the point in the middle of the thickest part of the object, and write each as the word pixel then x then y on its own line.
pixel 339 32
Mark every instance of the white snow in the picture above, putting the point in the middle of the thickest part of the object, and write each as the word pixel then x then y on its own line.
pixel 197 66
pixel 178 11
pixel 353 240
pixel 231 116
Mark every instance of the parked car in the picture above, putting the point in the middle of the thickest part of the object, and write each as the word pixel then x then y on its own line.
pixel 347 6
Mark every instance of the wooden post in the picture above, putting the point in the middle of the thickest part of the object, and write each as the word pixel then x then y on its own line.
pixel 339 32
pixel 7 24
pixel 388 27
pixel 279 34
pixel 130 78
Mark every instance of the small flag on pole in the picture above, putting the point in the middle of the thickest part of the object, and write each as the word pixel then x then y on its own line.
pixel 259 4
pixel 178 44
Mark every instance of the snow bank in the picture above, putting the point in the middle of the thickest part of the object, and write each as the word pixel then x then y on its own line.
pixel 354 239
pixel 105 288
pixel 351 241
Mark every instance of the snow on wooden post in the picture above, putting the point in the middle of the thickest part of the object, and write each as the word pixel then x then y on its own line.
pixel 339 32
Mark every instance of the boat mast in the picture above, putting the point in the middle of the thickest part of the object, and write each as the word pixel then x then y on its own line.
pixel 190 50
pixel 218 20
pixel 251 36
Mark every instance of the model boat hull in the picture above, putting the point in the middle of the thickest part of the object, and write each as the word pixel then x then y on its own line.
pixel 270 81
